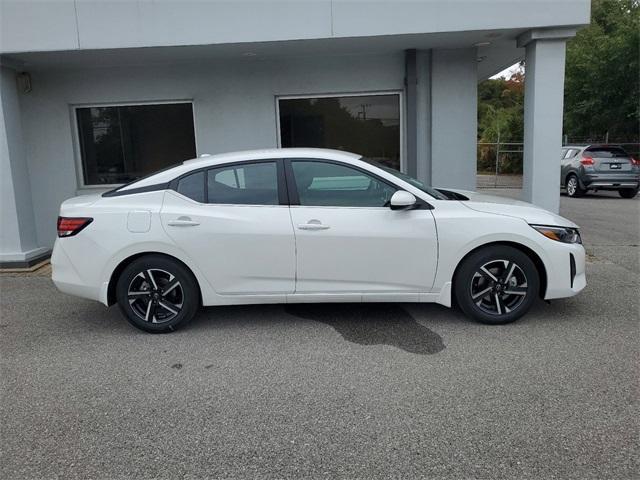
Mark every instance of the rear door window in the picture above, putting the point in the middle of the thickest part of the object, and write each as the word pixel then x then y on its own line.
pixel 192 186
pixel 244 184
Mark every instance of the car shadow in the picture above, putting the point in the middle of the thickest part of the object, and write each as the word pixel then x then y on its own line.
pixel 373 324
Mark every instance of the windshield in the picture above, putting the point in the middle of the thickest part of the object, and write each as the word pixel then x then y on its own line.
pixel 403 176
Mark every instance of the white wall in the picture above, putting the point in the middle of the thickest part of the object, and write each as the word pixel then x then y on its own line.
pixel 46 25
pixel 234 105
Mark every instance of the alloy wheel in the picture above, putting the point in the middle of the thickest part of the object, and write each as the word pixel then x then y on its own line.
pixel 572 186
pixel 155 295
pixel 499 287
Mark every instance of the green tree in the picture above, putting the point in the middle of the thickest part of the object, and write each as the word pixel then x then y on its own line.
pixel 602 83
pixel 501 116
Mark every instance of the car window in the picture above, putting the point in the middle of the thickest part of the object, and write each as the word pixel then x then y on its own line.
pixel 245 184
pixel 332 185
pixel 606 152
pixel 563 154
pixel 192 186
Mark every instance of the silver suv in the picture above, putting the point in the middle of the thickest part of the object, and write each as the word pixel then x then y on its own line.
pixel 599 167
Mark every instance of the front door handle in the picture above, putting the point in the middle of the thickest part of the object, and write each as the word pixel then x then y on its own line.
pixel 313 225
pixel 182 222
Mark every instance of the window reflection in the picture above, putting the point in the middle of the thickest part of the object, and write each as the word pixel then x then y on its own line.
pixel 368 125
pixel 121 143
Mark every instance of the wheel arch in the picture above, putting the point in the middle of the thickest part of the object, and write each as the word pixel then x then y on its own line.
pixel 535 258
pixel 575 173
pixel 117 271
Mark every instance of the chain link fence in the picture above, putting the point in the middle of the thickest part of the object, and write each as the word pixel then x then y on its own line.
pixel 500 163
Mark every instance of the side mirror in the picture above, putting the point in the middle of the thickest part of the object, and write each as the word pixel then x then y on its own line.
pixel 402 200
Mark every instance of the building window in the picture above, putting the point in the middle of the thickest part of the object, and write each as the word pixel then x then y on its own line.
pixel 121 143
pixel 364 124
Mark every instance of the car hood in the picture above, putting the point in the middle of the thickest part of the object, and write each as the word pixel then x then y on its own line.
pixel 512 208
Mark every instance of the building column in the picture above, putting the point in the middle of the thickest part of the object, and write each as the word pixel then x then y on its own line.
pixel 543 102
pixel 418 114
pixel 453 122
pixel 18 243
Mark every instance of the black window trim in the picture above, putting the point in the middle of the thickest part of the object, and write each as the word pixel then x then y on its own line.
pixel 283 199
pixel 287 189
pixel 294 197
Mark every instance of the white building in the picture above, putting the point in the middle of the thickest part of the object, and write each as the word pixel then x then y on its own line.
pixel 95 93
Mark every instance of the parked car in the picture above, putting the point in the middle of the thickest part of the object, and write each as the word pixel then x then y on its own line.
pixel 308 225
pixel 599 167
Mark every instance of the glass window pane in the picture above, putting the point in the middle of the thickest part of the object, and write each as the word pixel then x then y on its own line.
pixel 247 184
pixel 368 125
pixel 332 185
pixel 192 186
pixel 121 143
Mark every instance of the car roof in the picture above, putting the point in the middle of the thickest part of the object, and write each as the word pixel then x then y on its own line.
pixel 267 153
pixel 205 160
pixel 594 145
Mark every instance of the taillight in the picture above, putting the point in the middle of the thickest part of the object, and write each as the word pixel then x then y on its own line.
pixel 586 161
pixel 69 226
pixel 635 161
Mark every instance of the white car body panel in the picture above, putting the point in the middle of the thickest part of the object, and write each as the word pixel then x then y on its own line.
pixel 257 254
pixel 359 250
pixel 243 249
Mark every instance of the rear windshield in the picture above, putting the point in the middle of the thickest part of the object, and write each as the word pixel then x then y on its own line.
pixel 607 152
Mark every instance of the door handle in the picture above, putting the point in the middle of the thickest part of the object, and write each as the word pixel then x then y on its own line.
pixel 182 222
pixel 313 225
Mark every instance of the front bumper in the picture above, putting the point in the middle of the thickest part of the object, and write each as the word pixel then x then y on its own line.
pixel 566 273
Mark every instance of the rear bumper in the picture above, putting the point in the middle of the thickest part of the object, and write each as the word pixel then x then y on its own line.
pixel 611 180
pixel 65 276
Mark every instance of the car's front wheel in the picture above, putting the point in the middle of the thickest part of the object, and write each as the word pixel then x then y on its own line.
pixel 496 284
pixel 628 192
pixel 157 294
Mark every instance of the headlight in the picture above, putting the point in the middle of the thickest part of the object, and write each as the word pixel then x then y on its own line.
pixel 560 234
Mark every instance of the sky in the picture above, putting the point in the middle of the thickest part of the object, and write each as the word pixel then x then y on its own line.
pixel 507 72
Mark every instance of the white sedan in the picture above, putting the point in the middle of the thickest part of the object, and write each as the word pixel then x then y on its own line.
pixel 308 225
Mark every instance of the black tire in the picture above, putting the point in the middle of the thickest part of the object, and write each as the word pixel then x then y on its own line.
pixel 628 192
pixel 470 281
pixel 157 294
pixel 573 187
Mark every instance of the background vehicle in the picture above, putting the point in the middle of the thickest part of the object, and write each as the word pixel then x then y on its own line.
pixel 308 225
pixel 599 167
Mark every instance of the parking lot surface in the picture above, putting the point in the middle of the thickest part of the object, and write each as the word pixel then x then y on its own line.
pixel 332 391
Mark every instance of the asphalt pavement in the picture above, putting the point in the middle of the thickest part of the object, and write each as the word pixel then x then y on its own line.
pixel 332 391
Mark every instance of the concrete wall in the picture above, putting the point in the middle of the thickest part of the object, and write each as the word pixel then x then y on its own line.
pixel 46 25
pixel 234 106
pixel 17 227
pixel 454 103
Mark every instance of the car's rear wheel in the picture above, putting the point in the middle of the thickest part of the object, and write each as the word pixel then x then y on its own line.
pixel 157 294
pixel 628 192
pixel 573 187
pixel 496 285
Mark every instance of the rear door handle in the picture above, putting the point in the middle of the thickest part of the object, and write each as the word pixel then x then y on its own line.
pixel 182 222
pixel 313 225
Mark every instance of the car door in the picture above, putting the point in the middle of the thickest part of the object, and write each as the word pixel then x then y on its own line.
pixel 348 240
pixel 233 222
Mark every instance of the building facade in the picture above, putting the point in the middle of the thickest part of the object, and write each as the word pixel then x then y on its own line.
pixel 97 93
